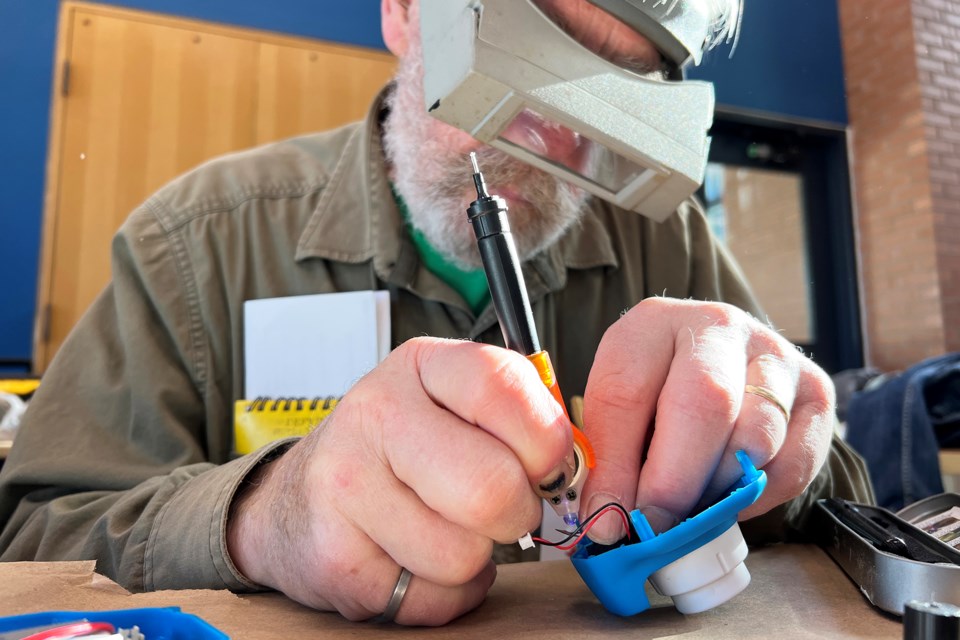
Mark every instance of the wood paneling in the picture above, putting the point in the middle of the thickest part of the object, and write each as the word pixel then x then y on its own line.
pixel 310 89
pixel 149 97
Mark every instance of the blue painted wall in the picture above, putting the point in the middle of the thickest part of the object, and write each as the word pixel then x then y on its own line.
pixel 788 62
pixel 26 67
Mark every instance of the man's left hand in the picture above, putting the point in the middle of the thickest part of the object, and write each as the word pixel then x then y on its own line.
pixel 673 395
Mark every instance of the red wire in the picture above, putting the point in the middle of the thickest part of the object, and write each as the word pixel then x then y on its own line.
pixel 71 630
pixel 586 528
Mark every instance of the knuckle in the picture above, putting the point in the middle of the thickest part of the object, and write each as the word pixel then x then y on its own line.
pixel 823 407
pixel 525 520
pixel 494 495
pixel 418 352
pixel 670 490
pixel 463 562
pixel 655 305
pixel 775 350
pixel 503 373
pixel 643 314
pixel 719 314
pixel 409 351
pixel 767 438
pixel 353 614
pixel 359 607
pixel 820 394
pixel 797 474
pixel 345 569
pixel 440 611
pixel 667 484
pixel 615 391
pixel 706 396
pixel 792 488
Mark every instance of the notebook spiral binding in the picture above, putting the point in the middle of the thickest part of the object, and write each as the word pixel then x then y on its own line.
pixel 268 403
pixel 263 420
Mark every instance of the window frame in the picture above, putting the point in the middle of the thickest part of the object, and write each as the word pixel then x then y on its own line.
pixel 819 154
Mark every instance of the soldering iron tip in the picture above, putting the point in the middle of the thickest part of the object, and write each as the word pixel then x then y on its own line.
pixel 478 178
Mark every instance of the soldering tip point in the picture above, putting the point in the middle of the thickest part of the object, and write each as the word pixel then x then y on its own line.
pixel 473 161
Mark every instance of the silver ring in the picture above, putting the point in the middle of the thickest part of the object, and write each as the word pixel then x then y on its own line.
pixel 396 599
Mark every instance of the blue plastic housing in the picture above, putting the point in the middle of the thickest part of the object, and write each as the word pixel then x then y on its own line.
pixel 617 576
pixel 158 623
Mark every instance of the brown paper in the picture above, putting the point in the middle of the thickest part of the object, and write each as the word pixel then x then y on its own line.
pixel 797 592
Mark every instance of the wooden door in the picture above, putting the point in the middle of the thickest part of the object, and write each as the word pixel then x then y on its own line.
pixel 305 89
pixel 143 98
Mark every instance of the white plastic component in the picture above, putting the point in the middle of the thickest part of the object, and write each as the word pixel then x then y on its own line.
pixel 526 542
pixel 708 576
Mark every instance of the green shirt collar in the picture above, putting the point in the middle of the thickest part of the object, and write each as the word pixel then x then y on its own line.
pixel 471 285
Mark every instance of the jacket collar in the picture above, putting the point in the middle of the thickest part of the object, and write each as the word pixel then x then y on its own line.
pixel 357 220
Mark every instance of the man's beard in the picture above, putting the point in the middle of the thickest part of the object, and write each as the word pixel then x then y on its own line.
pixel 434 180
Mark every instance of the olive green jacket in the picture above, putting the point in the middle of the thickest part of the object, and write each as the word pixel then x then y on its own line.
pixel 126 453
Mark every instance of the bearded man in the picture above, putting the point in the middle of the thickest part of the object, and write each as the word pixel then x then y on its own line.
pixel 127 454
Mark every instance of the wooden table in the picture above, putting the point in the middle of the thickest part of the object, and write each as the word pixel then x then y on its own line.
pixel 797 592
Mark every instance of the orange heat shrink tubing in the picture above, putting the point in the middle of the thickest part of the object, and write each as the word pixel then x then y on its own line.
pixel 541 360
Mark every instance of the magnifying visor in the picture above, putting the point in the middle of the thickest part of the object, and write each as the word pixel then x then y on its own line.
pixel 513 78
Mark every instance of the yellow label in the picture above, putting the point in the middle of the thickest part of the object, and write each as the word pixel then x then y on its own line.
pixel 19 386
pixel 257 423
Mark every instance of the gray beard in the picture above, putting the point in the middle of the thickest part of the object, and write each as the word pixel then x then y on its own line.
pixel 434 181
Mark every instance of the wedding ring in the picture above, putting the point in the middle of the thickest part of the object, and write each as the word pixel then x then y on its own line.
pixel 766 394
pixel 397 597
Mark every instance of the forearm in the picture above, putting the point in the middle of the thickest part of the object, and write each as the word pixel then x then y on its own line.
pixel 166 532
pixel 258 511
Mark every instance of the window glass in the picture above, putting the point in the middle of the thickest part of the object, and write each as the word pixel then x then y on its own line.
pixel 758 214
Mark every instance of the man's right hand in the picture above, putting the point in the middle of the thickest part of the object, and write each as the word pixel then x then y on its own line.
pixel 425 463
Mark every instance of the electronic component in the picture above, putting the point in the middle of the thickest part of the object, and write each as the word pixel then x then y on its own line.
pixel 573 538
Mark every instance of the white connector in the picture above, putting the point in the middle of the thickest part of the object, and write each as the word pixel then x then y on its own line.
pixel 526 542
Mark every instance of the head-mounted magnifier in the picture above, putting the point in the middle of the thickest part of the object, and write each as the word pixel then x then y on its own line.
pixel 506 73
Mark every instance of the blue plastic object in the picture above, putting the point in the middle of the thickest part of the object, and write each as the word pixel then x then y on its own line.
pixel 163 623
pixel 617 576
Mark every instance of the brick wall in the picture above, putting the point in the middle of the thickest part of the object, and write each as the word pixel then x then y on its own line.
pixel 903 175
pixel 937 34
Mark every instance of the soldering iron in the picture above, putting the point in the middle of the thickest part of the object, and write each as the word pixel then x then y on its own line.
pixel 488 215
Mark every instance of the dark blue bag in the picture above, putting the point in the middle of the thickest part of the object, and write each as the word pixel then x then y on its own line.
pixel 898 427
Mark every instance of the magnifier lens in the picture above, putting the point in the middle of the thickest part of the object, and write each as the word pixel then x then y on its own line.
pixel 561 146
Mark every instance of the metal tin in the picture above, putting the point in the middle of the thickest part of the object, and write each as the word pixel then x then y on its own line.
pixel 887 580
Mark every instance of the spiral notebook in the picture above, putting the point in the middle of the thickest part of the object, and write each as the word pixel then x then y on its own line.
pixel 260 421
pixel 301 353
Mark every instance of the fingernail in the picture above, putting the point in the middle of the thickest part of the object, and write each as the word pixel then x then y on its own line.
pixel 557 480
pixel 608 529
pixel 660 519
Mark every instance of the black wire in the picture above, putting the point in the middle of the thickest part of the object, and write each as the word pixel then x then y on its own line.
pixel 570 535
